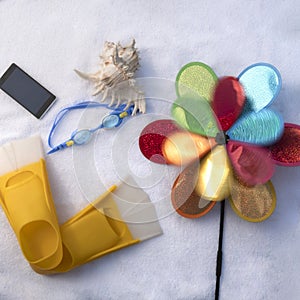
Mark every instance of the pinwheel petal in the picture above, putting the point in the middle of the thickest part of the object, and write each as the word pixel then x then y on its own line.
pixel 195 115
pixel 262 128
pixel 185 200
pixel 196 79
pixel 214 175
pixel 228 101
pixel 152 138
pixel 262 83
pixel 183 147
pixel 252 165
pixel 286 151
pixel 253 204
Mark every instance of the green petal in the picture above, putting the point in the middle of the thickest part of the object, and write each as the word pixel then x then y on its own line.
pixel 195 115
pixel 196 79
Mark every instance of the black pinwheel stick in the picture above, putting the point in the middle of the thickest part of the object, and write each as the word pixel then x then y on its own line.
pixel 219 253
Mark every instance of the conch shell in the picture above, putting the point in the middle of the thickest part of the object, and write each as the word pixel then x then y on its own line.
pixel 115 79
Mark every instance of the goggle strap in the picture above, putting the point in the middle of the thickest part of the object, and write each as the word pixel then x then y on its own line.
pixel 64 145
pixel 82 105
pixel 66 110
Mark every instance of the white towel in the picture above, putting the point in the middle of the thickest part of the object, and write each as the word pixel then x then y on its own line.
pixel 49 39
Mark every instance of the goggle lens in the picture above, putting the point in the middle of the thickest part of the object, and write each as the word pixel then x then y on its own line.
pixel 82 137
pixel 110 121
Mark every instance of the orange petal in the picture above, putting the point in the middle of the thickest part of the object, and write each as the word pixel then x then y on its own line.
pixel 184 199
pixel 182 148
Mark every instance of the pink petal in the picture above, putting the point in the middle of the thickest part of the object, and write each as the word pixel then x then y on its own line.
pixel 252 165
pixel 286 151
pixel 228 102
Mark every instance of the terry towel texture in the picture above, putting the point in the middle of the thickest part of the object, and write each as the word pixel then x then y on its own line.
pixel 48 39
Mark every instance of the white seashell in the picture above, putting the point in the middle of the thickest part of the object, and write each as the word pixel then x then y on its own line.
pixel 115 80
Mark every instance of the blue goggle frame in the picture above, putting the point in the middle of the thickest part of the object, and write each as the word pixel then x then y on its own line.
pixel 83 136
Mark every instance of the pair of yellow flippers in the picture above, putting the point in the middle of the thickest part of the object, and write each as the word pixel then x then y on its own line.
pixel 97 230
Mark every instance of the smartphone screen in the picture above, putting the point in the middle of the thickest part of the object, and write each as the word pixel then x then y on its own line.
pixel 26 91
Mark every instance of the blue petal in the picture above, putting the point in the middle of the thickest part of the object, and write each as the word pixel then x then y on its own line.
pixel 262 84
pixel 263 128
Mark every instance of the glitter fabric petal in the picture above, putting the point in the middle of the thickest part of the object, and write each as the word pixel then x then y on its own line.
pixel 253 204
pixel 228 101
pixel 196 79
pixel 185 200
pixel 214 175
pixel 152 137
pixel 252 165
pixel 224 148
pixel 261 128
pixel 262 83
pixel 286 152
pixel 183 147
pixel 195 115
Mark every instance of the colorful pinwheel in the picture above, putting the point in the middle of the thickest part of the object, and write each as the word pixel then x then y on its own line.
pixel 227 138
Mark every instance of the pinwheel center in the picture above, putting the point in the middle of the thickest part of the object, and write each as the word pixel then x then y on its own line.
pixel 221 138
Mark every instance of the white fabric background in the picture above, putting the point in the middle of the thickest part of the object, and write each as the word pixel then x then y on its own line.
pixel 50 38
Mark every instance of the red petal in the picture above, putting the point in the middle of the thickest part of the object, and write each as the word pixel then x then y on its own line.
pixel 152 137
pixel 286 152
pixel 252 165
pixel 228 102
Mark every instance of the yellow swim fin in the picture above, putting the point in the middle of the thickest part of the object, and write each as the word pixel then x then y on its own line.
pixel 99 229
pixel 27 202
pixel 122 216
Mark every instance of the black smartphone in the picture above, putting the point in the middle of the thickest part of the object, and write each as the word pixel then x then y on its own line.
pixel 26 91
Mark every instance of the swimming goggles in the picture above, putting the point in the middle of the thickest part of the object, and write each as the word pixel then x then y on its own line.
pixel 83 136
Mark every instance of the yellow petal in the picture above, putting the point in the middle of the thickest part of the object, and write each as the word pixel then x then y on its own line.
pixel 214 175
pixel 253 204
pixel 181 148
